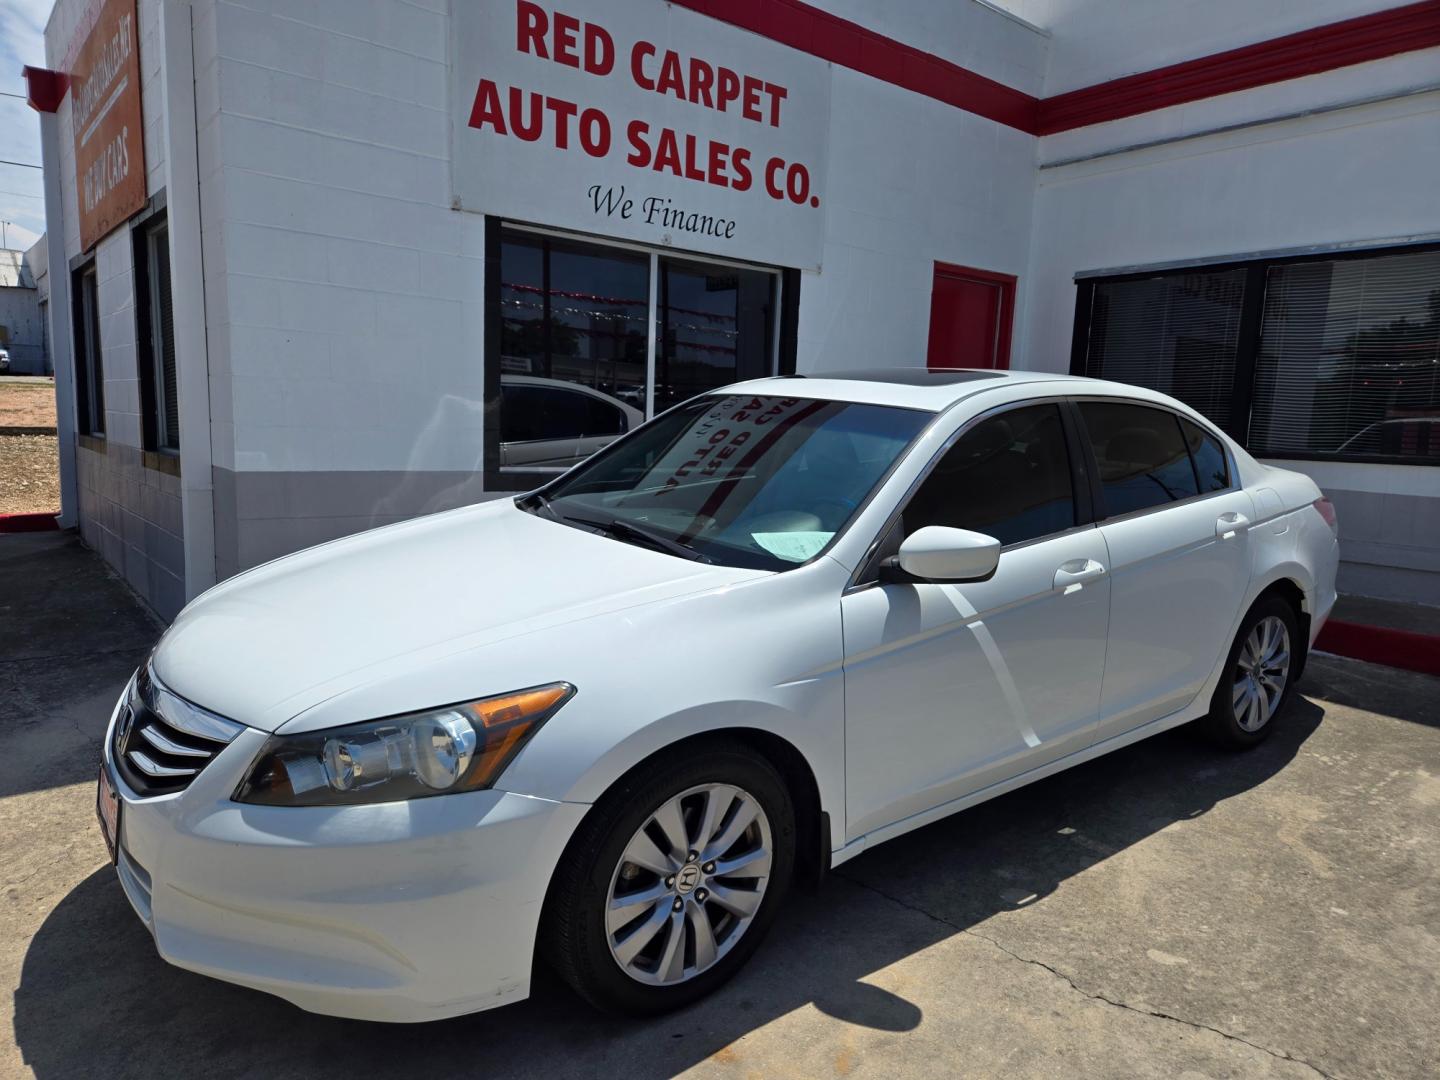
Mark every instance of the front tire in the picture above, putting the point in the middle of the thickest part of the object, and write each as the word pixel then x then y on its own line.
pixel 1258 678
pixel 672 879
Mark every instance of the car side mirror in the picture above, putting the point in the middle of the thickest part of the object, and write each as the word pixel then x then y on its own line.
pixel 938 553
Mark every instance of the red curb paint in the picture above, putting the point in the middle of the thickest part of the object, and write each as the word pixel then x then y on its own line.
pixel 28 523
pixel 1382 645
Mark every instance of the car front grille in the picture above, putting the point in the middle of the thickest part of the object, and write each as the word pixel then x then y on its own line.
pixel 162 742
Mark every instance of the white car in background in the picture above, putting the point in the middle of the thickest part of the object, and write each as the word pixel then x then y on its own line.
pixel 608 722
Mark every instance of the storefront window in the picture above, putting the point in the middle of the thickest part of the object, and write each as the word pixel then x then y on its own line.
pixel 575 366
pixel 1333 358
pixel 714 328
pixel 1349 359
pixel 1177 334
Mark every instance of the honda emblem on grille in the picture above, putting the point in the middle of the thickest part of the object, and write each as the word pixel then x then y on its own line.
pixel 122 729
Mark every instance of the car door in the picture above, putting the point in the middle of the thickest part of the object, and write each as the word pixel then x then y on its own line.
pixel 1176 527
pixel 952 687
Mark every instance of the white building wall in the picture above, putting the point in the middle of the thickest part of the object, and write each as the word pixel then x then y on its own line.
pixel 350 309
pixel 128 511
pixel 1351 177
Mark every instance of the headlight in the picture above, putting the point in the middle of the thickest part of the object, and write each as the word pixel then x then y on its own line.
pixel 461 747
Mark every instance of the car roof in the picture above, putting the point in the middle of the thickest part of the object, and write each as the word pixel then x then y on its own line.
pixel 923 388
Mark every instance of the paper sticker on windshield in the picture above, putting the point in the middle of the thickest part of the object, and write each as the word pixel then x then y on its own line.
pixel 793 546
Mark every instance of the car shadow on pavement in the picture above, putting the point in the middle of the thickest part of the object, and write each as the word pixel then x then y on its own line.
pixel 95 999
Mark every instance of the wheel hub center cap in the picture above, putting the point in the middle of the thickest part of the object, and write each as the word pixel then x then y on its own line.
pixel 687 878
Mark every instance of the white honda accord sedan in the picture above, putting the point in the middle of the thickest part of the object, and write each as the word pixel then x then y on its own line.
pixel 606 724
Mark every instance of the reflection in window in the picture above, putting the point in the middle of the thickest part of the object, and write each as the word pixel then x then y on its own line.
pixel 1349 358
pixel 1009 478
pixel 714 328
pixel 574 340
pixel 1141 456
pixel 572 348
pixel 1176 333
pixel 1211 467
pixel 756 481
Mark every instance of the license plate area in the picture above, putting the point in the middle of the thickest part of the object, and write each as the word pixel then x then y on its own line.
pixel 107 809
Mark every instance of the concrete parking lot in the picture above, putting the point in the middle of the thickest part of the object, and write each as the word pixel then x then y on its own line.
pixel 1167 911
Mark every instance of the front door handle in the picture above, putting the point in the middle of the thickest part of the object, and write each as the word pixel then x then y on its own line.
pixel 1230 525
pixel 1076 572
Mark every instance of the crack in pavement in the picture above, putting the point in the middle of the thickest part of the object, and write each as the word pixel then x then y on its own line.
pixel 1092 995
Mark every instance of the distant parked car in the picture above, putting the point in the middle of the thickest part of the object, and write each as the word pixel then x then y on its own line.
pixel 4 361
pixel 1408 436
pixel 551 422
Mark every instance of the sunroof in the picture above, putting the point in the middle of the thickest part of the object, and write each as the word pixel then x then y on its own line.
pixel 907 376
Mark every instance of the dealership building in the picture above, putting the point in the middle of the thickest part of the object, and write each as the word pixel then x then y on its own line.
pixel 321 265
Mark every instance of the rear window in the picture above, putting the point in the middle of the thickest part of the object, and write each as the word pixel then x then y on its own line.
pixel 1142 457
pixel 1211 468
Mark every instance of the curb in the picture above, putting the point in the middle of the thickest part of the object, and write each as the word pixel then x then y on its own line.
pixel 28 523
pixel 16 430
pixel 1381 645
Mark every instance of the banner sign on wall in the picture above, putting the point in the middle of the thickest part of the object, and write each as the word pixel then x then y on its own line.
pixel 641 121
pixel 107 121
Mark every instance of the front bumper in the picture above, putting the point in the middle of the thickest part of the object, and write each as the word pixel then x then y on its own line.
pixel 402 911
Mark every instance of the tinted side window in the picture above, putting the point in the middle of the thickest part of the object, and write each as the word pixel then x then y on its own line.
pixel 1209 457
pixel 1142 458
pixel 1008 477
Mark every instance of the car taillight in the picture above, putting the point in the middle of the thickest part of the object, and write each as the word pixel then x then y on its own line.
pixel 1327 511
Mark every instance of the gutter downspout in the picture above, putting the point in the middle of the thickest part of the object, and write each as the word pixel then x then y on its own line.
pixel 187 294
pixel 46 91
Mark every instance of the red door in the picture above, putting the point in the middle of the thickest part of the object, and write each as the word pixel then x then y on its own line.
pixel 970 316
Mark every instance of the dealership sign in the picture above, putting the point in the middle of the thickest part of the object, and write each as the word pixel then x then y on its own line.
pixel 107 122
pixel 642 121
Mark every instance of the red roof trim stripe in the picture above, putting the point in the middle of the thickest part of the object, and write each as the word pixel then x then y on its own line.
pixel 1308 52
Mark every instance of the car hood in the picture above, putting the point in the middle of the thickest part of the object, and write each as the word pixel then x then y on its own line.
pixel 277 640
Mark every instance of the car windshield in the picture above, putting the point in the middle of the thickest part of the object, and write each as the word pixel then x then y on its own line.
pixel 739 479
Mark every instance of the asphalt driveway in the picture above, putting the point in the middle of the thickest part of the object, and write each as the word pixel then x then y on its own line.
pixel 1167 911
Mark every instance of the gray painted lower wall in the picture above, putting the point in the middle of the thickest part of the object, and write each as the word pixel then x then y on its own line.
pixel 260 516
pixel 130 514
pixel 1389 544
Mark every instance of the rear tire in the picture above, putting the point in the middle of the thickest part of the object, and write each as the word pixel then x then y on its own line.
pixel 1259 675
pixel 635 924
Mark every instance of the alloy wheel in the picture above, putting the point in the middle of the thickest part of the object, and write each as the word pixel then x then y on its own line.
pixel 1261 672
pixel 688 884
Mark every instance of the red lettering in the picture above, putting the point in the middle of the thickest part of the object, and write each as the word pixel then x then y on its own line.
pixel 521 130
pixel 667 153
pixel 638 52
pixel 670 80
pixel 740 162
pixel 600 51
pixel 635 132
pixel 797 183
pixel 692 166
pixel 702 77
pixel 773 166
pixel 777 95
pixel 566 28
pixel 530 25
pixel 718 153
pixel 563 111
pixel 595 132
pixel 729 89
pixel 751 107
pixel 486 109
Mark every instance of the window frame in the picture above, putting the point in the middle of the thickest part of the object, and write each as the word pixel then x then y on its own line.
pixel 1247 346
pixel 159 453
pixel 87 352
pixel 1082 472
pixel 1097 492
pixel 518 480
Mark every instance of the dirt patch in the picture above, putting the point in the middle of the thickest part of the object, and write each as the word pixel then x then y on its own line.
pixel 29 474
pixel 24 404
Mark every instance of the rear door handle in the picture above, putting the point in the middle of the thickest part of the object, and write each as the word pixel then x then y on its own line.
pixel 1078 571
pixel 1231 524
